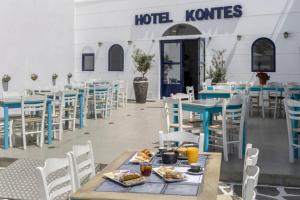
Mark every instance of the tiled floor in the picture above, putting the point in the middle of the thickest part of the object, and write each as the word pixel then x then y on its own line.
pixel 264 192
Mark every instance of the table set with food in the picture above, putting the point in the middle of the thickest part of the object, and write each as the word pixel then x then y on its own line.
pixel 164 173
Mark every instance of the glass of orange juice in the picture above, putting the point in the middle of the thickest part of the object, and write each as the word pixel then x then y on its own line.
pixel 192 154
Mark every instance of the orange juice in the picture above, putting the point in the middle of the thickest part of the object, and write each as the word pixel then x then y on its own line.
pixel 192 154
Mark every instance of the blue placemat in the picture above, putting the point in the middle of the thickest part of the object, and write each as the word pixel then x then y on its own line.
pixel 154 184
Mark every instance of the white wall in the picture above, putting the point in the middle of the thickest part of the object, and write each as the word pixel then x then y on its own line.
pixel 36 36
pixel 112 22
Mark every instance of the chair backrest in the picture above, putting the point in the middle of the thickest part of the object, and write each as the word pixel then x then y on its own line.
pixel 181 96
pixel 292 110
pixel 191 92
pixel 56 178
pixel 208 82
pixel 250 183
pixel 69 98
pixel 33 106
pixel 181 137
pixel 83 160
pixel 12 94
pixel 173 109
pixel 251 157
pixel 123 87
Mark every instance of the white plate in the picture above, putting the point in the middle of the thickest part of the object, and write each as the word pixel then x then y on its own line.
pixel 136 160
pixel 156 170
pixel 115 175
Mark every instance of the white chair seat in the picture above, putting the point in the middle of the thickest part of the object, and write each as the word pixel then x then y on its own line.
pixel 218 127
pixel 184 126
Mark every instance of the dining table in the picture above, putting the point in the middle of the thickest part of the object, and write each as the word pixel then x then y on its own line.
pixel 206 108
pixel 199 187
pixel 211 94
pixel 15 103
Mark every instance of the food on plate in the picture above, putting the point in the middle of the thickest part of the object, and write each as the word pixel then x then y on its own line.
pixel 170 173
pixel 173 175
pixel 144 155
pixel 129 176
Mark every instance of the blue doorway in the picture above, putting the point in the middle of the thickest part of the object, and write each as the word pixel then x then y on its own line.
pixel 182 65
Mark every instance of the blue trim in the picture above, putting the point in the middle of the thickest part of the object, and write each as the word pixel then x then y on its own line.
pixel 274 55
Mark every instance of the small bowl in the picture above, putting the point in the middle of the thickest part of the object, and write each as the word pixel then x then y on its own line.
pixel 169 157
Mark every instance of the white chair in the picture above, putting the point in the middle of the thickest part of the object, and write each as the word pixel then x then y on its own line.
pixel 57 114
pixel 123 91
pixel 173 109
pixel 254 102
pixel 273 100
pixel 193 117
pixel 292 109
pixel 33 110
pixel 181 137
pixel 103 100
pixel 251 158
pixel 68 107
pixel 230 131
pixel 251 175
pixel 83 162
pixel 56 178
pixel 115 94
pixel 250 183
pixel 181 96
pixel 10 132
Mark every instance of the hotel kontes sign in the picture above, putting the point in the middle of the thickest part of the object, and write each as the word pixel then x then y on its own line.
pixel 223 12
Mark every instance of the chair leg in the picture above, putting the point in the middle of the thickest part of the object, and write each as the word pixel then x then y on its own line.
pixel 60 130
pixel 24 141
pixel 74 124
pixel 291 154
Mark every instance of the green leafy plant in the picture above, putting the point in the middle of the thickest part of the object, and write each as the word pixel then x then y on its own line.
pixel 143 62
pixel 217 70
pixel 6 78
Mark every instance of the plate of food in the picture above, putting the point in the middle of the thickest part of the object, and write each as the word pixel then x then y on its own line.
pixel 144 155
pixel 125 178
pixel 169 174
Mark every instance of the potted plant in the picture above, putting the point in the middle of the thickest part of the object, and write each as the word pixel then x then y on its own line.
pixel 34 76
pixel 143 63
pixel 69 75
pixel 6 78
pixel 263 77
pixel 54 76
pixel 217 71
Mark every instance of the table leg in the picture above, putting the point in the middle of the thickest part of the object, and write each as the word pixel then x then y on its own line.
pixel 295 136
pixel 206 122
pixel 244 140
pixel 49 110
pixel 5 127
pixel 81 107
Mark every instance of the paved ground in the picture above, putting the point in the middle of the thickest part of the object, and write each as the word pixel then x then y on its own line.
pixel 137 126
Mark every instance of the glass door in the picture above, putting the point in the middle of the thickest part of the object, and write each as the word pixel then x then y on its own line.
pixel 171 67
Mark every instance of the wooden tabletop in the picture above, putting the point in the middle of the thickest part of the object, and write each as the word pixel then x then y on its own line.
pixel 208 189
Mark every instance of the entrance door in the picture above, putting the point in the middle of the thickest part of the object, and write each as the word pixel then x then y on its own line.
pixel 171 67
pixel 182 65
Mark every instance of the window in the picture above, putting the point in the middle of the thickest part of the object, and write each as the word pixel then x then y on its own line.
pixel 88 62
pixel 263 55
pixel 116 58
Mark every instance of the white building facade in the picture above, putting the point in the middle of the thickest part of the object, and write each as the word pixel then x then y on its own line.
pixel 233 25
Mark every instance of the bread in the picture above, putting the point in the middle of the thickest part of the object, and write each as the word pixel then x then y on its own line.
pixel 147 152
pixel 173 175
pixel 143 156
pixel 129 176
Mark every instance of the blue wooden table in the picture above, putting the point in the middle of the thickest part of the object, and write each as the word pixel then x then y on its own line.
pixel 13 103
pixel 207 110
pixel 211 94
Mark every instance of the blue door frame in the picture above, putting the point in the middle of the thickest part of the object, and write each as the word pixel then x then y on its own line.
pixel 167 89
